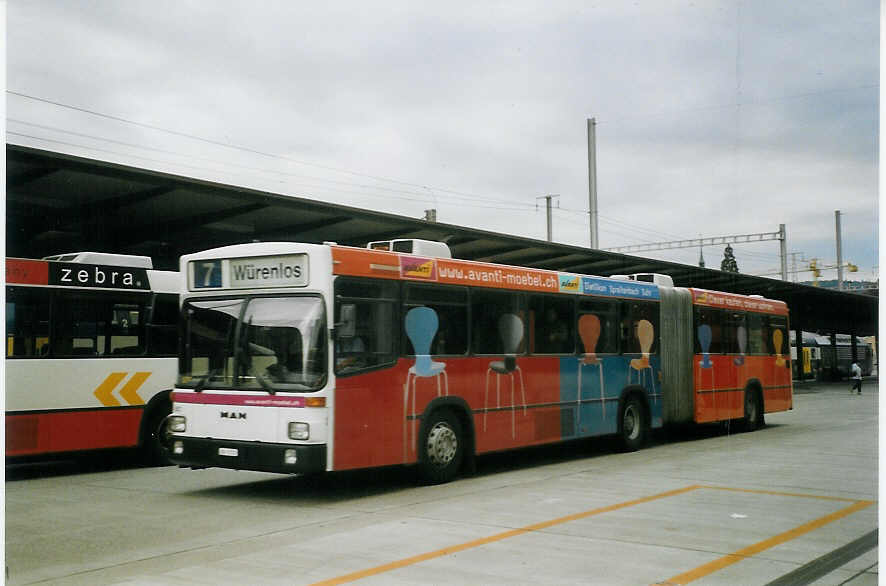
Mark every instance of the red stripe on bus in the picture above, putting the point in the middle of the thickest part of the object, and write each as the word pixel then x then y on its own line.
pixel 27 272
pixel 247 400
pixel 71 431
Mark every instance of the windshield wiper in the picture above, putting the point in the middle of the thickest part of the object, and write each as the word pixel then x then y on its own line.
pixel 265 384
pixel 201 382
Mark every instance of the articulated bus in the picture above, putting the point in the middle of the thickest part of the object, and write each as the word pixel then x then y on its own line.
pixel 302 358
pixel 91 346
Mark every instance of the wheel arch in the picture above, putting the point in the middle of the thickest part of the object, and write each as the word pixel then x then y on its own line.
pixel 634 439
pixel 640 393
pixel 462 411
pixel 753 385
pixel 754 390
pixel 159 403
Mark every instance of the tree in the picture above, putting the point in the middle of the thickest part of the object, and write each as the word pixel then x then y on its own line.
pixel 728 264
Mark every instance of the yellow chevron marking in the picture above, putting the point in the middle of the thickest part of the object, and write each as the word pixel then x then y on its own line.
pixel 128 392
pixel 104 390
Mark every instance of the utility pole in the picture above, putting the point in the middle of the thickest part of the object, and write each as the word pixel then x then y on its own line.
pixel 783 245
pixel 548 199
pixel 839 253
pixel 794 271
pixel 592 182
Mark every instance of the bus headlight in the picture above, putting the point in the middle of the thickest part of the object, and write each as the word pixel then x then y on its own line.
pixel 299 430
pixel 177 423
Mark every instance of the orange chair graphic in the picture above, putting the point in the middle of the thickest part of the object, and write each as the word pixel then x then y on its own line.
pixel 777 340
pixel 646 336
pixel 589 332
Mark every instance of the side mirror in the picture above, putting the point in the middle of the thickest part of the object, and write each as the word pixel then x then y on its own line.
pixel 347 326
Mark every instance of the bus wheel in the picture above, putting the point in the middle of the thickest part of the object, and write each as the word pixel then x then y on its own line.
pixel 753 410
pixel 155 435
pixel 441 448
pixel 632 424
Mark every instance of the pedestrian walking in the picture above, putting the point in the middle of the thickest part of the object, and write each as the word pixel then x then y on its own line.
pixel 856 378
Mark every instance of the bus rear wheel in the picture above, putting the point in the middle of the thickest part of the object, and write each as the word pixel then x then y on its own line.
pixel 441 448
pixel 753 410
pixel 632 424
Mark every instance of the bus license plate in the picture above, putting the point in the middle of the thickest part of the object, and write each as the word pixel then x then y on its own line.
pixel 227 451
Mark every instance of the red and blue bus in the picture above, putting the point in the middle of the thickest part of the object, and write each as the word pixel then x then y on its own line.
pixel 305 358
pixel 91 347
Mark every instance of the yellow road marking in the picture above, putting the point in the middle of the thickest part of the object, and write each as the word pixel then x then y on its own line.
pixel 104 390
pixel 493 538
pixel 778 493
pixel 128 392
pixel 737 556
pixel 683 578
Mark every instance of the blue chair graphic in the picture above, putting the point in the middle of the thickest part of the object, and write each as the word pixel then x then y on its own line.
pixel 421 325
pixel 705 335
pixel 742 336
pixel 704 339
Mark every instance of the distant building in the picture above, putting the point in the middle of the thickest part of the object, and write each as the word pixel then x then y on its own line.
pixel 861 286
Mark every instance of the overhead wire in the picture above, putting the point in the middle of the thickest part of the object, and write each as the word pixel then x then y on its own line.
pixel 326 188
pixel 424 193
pixel 224 164
pixel 452 193
pixel 737 104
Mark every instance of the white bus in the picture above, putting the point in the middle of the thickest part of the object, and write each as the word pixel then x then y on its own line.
pixel 91 344
pixel 301 358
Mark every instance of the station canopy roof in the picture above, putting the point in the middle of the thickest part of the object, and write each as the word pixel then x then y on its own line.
pixel 57 203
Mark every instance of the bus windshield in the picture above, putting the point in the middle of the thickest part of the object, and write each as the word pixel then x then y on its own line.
pixel 255 343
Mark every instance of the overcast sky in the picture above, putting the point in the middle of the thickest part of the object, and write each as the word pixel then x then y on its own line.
pixel 713 118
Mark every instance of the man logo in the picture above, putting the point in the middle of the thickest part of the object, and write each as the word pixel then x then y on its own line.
pixel 232 415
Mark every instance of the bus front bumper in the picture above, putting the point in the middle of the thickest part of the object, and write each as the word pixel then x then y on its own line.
pixel 191 452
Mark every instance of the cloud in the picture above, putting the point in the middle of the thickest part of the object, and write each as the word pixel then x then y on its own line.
pixel 714 118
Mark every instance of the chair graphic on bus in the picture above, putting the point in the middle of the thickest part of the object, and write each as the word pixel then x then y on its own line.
pixel 589 332
pixel 646 336
pixel 421 325
pixel 510 329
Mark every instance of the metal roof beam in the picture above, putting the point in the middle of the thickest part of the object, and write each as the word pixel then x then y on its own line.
pixel 25 177
pixel 292 232
pixel 127 235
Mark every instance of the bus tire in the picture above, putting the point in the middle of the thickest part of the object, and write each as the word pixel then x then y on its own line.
pixel 441 448
pixel 632 424
pixel 753 410
pixel 154 434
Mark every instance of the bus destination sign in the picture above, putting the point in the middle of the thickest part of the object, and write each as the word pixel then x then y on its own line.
pixel 271 271
pixel 248 273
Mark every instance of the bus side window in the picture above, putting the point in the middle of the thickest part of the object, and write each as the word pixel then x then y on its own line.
pixel 553 319
pixel 374 340
pixel 607 314
pixel 777 344
pixel 733 341
pixel 712 319
pixel 451 306
pixel 27 322
pixel 91 323
pixel 486 309
pixel 634 312
pixel 756 334
pixel 162 329
pixel 77 329
pixel 127 329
